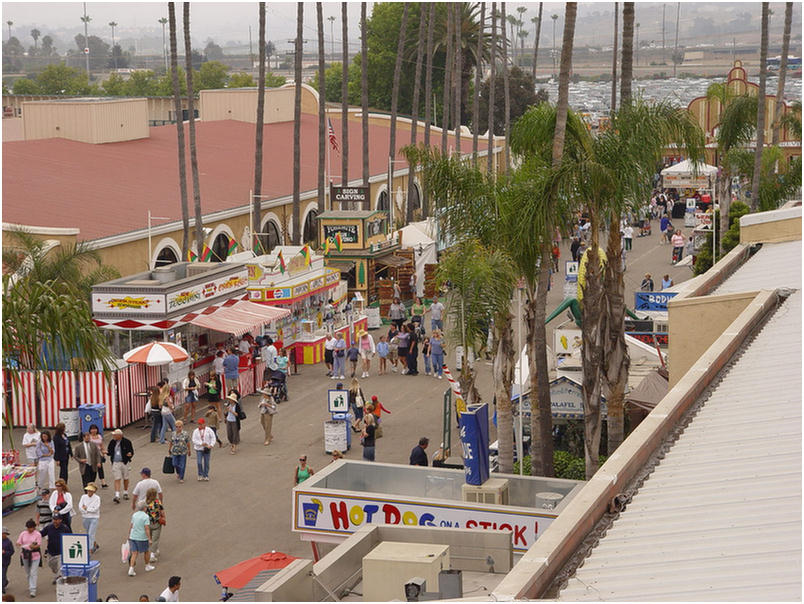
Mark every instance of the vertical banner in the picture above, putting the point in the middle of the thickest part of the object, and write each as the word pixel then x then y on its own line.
pixel 474 426
pixel 124 395
pixel 58 392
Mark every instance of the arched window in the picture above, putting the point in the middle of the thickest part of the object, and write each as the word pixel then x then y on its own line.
pixel 270 237
pixel 166 256
pixel 382 202
pixel 415 197
pixel 220 248
pixel 310 230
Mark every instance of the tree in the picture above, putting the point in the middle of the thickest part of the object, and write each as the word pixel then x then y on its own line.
pixel 777 114
pixel 364 93
pixel 212 75
pixel 270 50
pixel 538 21
pixel 47 49
pixel 428 93
pixel 522 95
pixel 492 89
pixel 297 123
pixel 345 95
pixel 241 80
pixel 25 86
pixel 614 61
pixel 177 109
pixel 322 118
pixel 506 94
pixel 35 33
pixel 119 58
pixel 9 23
pixel 414 122
pixel 628 53
pixel 115 55
pixel 447 84
pixel 114 85
pixel 256 200
pixel 145 83
pixel 99 51
pixel 212 51
pixel 57 78
pixel 476 95
pixel 457 85
pixel 394 99
pixel 199 221
pixel 760 135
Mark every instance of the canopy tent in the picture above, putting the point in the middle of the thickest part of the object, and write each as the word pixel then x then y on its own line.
pixel 239 575
pixel 240 318
pixel 650 391
pixel 417 236
pixel 686 174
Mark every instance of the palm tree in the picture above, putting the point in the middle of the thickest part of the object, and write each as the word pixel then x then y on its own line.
pixel 628 53
pixel 415 120
pixel 458 76
pixel 112 24
pixel 763 76
pixel 478 73
pixel 9 23
pixel 400 50
pixel 35 33
pixel 188 55
pixel 538 22
pixel 428 94
pixel 614 60
pixel 322 102
pixel 777 114
pixel 177 108
pixel 448 63
pixel 364 92
pixel 297 124
pixel 345 95
pixel 163 21
pixel 507 93
pixel 492 81
pixel 256 200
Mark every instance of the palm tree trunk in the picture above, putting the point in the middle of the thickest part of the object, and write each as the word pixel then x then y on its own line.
pixel 562 106
pixel 428 98
pixel 763 76
pixel 492 87
pixel 478 72
pixel 449 60
pixel 507 92
pixel 199 223
pixel 297 125
pixel 503 369
pixel 536 43
pixel 628 53
pixel 256 201
pixel 614 60
pixel 777 114
pixel 364 92
pixel 345 95
pixel 174 67
pixel 458 76
pixel 415 120
pixel 322 108
pixel 400 50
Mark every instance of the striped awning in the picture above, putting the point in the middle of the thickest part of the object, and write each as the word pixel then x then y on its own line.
pixel 240 318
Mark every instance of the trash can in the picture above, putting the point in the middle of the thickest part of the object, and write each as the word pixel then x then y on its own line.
pixel 92 414
pixel 346 418
pixel 72 589
pixel 90 572
pixel 71 420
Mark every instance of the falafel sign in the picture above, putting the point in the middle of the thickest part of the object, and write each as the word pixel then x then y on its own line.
pixel 316 513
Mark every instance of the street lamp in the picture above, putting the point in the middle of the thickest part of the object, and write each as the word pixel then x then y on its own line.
pixel 554 18
pixel 636 48
pixel 164 21
pixel 331 20
pixel 86 19
pixel 112 24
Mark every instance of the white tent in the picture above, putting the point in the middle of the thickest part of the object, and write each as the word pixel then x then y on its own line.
pixel 418 236
pixel 685 174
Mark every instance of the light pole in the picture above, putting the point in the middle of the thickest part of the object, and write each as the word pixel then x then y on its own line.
pixel 164 21
pixel 636 47
pixel 150 250
pixel 86 19
pixel 331 20
pixel 9 23
pixel 554 18
pixel 112 24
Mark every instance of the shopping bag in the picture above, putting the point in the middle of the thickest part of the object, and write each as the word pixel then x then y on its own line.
pixel 167 465
pixel 378 431
pixel 124 553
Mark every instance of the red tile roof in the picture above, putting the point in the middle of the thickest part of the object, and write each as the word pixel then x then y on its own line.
pixel 107 189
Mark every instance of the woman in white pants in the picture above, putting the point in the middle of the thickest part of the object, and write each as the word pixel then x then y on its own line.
pixel 45 466
pixel 89 506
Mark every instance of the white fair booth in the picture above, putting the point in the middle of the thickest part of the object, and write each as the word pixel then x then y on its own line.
pixel 418 236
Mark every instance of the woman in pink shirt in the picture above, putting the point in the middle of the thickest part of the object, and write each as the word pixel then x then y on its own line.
pixel 365 344
pixel 30 542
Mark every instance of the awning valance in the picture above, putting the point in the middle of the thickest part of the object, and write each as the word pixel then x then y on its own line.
pixel 393 261
pixel 342 265
pixel 240 318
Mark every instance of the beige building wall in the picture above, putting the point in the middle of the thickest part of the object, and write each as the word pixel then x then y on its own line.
pixel 87 121
pixel 771 232
pixel 241 104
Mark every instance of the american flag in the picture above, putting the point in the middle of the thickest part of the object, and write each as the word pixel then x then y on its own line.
pixel 333 140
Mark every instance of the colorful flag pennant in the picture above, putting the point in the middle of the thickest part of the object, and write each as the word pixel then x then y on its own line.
pixel 281 262
pixel 232 247
pixel 327 246
pixel 338 242
pixel 258 249
pixel 305 253
pixel 191 257
pixel 206 253
pixel 333 140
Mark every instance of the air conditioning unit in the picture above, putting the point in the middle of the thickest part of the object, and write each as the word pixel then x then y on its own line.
pixel 494 491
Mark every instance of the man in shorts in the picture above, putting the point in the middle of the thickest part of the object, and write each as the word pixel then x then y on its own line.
pixel 120 451
pixel 141 488
pixel 436 315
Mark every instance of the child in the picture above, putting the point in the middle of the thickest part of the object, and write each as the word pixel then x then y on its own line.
pixel 393 351
pixel 212 421
pixel 353 354
pixel 382 351
pixel 214 393
pixel 282 361
pixel 426 355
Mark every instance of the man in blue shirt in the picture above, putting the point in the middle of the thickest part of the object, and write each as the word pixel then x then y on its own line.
pixel 230 369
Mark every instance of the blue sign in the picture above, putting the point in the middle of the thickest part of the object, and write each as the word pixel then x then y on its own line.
pixel 652 300
pixel 474 426
pixel 571 271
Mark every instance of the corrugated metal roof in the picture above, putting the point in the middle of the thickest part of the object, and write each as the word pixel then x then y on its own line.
pixel 775 265
pixel 720 516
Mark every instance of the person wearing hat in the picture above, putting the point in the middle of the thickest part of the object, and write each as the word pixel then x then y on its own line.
pixel 120 451
pixel 8 554
pixel 233 414
pixel 267 407
pixel 54 533
pixel 141 488
pixel 89 506
pixel 365 343
pixel 203 442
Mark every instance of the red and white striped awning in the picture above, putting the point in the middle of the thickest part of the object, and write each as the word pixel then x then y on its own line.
pixel 240 318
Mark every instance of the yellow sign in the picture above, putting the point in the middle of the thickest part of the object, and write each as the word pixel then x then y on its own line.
pixel 129 302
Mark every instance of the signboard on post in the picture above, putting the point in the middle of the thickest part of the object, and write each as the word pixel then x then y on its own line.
pixel 351 195
pixel 75 549
pixel 652 300
pixel 474 425
pixel 571 270
pixel 349 232
pixel 446 427
pixel 337 401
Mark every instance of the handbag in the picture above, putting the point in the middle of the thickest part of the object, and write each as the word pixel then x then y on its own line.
pixel 240 413
pixel 359 400
pixel 124 552
pixel 378 431
pixel 167 465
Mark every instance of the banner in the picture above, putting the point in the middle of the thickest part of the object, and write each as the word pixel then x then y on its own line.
pixel 351 195
pixel 474 430
pixel 652 300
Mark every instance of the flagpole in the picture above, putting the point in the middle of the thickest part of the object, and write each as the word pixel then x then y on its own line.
pixel 251 218
pixel 327 196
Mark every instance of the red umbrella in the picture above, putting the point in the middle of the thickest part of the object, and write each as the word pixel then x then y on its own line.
pixel 237 576
pixel 156 353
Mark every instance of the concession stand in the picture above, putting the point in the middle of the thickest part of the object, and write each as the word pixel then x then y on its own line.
pixel 303 289
pixel 368 253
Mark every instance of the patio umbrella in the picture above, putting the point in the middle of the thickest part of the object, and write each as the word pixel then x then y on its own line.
pixel 156 353
pixel 238 576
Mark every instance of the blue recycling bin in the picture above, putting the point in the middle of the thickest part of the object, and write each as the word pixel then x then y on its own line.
pixel 91 414
pixel 345 417
pixel 91 571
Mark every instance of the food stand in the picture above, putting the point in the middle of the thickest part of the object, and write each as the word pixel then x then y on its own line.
pixel 304 290
pixel 689 178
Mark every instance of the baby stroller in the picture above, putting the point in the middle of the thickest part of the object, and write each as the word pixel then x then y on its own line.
pixel 277 385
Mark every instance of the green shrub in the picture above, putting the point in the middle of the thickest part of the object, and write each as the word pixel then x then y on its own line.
pixel 566 465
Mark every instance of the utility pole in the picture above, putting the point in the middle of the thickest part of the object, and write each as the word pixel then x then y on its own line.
pixel 113 24
pixel 636 47
pixel 331 20
pixel 664 6
pixel 250 51
pixel 675 45
pixel 86 19
pixel 164 21
pixel 554 18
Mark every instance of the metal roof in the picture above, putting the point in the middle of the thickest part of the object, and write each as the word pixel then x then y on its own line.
pixel 775 265
pixel 720 516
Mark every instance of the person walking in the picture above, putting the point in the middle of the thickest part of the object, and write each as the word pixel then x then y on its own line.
pixel 178 448
pixel 62 450
pixel 329 347
pixel 139 535
pixel 393 347
pixel 666 282
pixel 417 313
pixel 427 354
pixel 418 456
pixel 8 555
pixel 339 357
pixel 89 506
pixel 368 440
pixel 45 468
pixel 141 488
pixel 353 355
pixel 217 365
pixel 168 419
pixel 437 354
pixel 203 441
pixel 357 401
pixel 268 409
pixel 678 245
pixel 30 542
pixel 231 369
pixel 214 387
pixel 155 411
pixel 96 437
pixel 233 412
pixel 403 337
pixel 171 592
pixel 647 283
pixel 303 471
pixel 413 350
pixel 88 456
pixel 157 518
pixel 396 312
pixel 54 533
pixel 628 236
pixel 269 356
pixel 190 386
pixel 120 452
pixel 436 315
pixel 29 441
pixel 61 503
pixel 365 343
pixel 43 514
pixel 212 419
pixel 382 353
